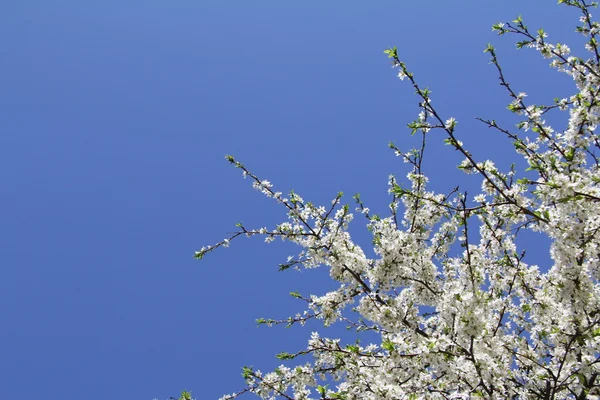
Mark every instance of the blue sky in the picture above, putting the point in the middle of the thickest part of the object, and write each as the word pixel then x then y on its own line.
pixel 116 117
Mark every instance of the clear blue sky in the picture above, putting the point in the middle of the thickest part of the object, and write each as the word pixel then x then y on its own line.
pixel 116 116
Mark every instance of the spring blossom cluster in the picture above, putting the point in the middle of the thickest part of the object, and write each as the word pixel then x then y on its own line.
pixel 458 310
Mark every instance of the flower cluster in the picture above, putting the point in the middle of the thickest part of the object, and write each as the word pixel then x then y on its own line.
pixel 458 310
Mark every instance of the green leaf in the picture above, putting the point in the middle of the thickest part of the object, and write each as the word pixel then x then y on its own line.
pixel 533 166
pixel 451 142
pixel 340 396
pixel 523 43
pixel 351 348
pixel 285 356
pixel 513 107
pixel 262 321
pixel 570 154
pixel 388 345
pixel 322 390
pixel 498 27
pixel 185 395
pixel 392 52
pixel 398 191
pixel 414 127
pixel 247 372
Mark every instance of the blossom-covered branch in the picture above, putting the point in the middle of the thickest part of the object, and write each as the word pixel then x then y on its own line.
pixel 458 310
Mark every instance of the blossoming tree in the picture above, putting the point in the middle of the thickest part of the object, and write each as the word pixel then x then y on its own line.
pixel 457 309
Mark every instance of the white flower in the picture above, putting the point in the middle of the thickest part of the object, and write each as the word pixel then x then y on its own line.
pixel 450 123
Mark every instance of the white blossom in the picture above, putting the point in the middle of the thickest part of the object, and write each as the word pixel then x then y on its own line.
pixel 453 305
